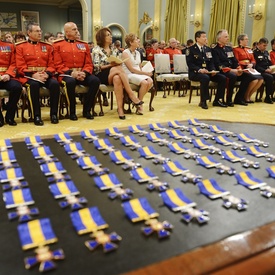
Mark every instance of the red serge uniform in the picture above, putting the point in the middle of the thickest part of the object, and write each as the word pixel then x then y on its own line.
pixel 33 57
pixel 150 54
pixel 272 56
pixel 244 55
pixel 71 55
pixel 8 66
pixel 171 51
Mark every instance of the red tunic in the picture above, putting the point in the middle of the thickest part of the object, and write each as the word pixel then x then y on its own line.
pixel 272 56
pixel 72 54
pixel 150 54
pixel 7 59
pixel 244 55
pixel 32 57
pixel 171 52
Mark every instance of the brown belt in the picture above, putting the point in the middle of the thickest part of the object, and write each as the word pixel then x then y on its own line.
pixel 76 69
pixel 245 60
pixel 3 69
pixel 36 69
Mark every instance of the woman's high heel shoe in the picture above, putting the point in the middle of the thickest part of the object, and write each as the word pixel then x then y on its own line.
pixel 137 104
pixel 121 117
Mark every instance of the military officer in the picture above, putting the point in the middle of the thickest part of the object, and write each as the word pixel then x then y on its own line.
pixel 34 61
pixel 226 63
pixel 73 61
pixel 263 63
pixel 200 64
pixel 8 81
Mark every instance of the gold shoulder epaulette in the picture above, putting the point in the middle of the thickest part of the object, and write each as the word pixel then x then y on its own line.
pixel 81 41
pixel 58 40
pixel 20 42
pixel 44 42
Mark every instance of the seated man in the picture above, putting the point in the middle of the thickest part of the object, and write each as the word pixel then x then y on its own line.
pixel 200 63
pixel 228 65
pixel 34 61
pixel 263 62
pixel 73 61
pixel 172 49
pixel 8 81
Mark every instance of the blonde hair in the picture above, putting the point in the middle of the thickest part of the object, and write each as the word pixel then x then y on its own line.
pixel 130 38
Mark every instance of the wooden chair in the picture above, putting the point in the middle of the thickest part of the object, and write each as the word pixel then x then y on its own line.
pixel 163 72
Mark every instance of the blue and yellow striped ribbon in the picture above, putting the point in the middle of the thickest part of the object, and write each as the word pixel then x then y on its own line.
pixel 129 141
pixel 73 148
pixel 231 156
pixel 176 134
pixel 10 174
pixel 156 127
pixel 174 124
pixel 139 209
pixel 223 140
pixel 18 197
pixel 176 200
pixel 255 151
pixel 87 134
pixel 5 144
pixel 207 161
pixel 148 152
pixel 135 129
pixel 119 157
pixel 63 138
pixel 63 189
pixel 211 189
pixel 88 162
pixel 193 121
pixel 41 152
pixel 112 131
pixel 142 174
pixel 200 143
pixel 52 168
pixel 245 137
pixel 7 155
pixel 154 137
pixel 33 140
pixel 195 131
pixel 36 233
pixel 107 181
pixel 271 171
pixel 248 180
pixel 174 168
pixel 101 144
pixel 178 148
pixel 87 220
pixel 216 129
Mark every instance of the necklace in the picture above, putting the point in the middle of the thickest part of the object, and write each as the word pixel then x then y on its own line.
pixel 134 54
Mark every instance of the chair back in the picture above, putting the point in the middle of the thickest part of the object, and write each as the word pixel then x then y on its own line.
pixel 180 65
pixel 162 63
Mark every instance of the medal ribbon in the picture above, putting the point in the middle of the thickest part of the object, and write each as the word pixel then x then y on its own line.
pixel 211 189
pixel 174 168
pixel 148 152
pixel 178 148
pixel 120 157
pixel 11 174
pixel 207 161
pixel 248 180
pixel 18 197
pixel 41 152
pixel 88 162
pixel 63 188
pixel 107 181
pixel 255 151
pixel 231 156
pixel 52 168
pixel 223 140
pixel 7 156
pixel 201 143
pixel 142 174
pixel 271 171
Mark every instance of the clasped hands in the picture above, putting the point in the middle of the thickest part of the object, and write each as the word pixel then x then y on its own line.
pixel 4 77
pixel 41 76
pixel 78 75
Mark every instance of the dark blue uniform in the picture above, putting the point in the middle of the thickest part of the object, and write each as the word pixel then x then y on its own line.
pixel 225 60
pixel 196 60
pixel 263 62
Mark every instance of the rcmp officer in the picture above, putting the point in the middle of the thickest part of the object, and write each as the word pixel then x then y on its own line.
pixel 34 61
pixel 200 63
pixel 72 58
pixel 263 63
pixel 226 62
pixel 172 49
pixel 8 81
pixel 246 60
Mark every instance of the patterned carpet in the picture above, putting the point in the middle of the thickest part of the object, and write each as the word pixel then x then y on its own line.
pixel 170 108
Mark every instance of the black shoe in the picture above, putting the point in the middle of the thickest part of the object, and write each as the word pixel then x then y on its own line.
pixel 105 102
pixel 249 101
pixel 54 119
pixel 88 115
pixel 268 100
pixel 73 117
pixel 230 104
pixel 203 105
pixel 1 119
pixel 219 104
pixel 240 103
pixel 122 117
pixel 11 122
pixel 38 121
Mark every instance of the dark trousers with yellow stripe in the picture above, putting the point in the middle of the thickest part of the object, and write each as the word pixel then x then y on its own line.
pixel 90 81
pixel 33 88
pixel 14 87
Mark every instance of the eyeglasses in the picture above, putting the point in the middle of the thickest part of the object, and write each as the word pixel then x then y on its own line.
pixel 108 34
pixel 38 31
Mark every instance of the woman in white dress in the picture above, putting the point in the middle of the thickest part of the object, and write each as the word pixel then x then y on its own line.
pixel 111 73
pixel 133 69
